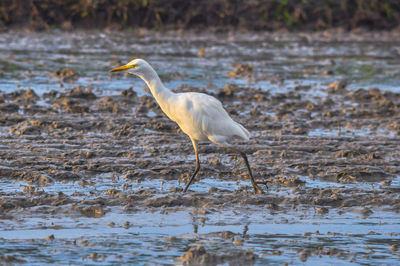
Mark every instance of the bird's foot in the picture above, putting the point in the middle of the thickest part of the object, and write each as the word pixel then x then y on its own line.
pixel 257 190
pixel 265 183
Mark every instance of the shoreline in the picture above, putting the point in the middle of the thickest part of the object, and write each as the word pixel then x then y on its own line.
pixel 333 34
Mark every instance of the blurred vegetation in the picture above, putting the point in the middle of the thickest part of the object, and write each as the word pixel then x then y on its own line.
pixel 161 14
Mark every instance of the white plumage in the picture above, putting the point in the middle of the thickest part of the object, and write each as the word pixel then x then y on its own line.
pixel 200 116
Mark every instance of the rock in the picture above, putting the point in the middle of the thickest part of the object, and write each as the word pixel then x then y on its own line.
pixel 128 93
pixel 228 90
pixel 322 210
pixel 50 238
pixel 92 211
pixel 66 74
pixel 241 70
pixel 27 128
pixel 337 86
pixel 227 235
pixel 81 92
pixel 199 256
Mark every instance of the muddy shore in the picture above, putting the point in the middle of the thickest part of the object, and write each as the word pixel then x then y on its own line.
pixel 75 159
pixel 79 136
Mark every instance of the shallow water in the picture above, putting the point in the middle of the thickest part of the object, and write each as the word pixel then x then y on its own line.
pixel 333 184
pixel 30 58
pixel 160 236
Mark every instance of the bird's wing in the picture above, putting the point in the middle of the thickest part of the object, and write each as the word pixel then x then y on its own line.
pixel 208 106
pixel 206 115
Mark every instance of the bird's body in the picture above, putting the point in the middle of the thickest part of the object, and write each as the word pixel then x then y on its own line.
pixel 200 116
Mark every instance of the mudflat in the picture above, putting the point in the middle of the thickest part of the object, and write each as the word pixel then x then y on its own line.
pixel 92 170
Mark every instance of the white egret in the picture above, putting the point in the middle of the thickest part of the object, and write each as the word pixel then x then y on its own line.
pixel 199 115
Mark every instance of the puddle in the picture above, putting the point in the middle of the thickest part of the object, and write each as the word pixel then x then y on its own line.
pixel 161 238
pixel 160 235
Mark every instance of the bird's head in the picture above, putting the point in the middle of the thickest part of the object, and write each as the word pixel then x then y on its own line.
pixel 136 67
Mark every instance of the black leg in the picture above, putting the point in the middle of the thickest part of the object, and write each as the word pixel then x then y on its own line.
pixel 257 189
pixel 197 166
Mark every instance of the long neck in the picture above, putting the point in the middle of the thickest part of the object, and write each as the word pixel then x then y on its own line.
pixel 160 93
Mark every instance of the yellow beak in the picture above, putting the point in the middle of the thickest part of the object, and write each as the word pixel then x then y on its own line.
pixel 125 67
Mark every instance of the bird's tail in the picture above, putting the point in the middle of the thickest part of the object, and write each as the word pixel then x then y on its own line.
pixel 244 133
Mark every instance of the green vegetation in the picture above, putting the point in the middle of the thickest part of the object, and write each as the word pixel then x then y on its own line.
pixel 254 14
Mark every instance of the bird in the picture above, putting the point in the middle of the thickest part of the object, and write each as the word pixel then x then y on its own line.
pixel 200 116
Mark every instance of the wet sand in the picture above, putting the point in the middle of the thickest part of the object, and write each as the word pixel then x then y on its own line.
pixel 88 176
